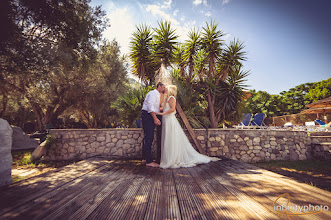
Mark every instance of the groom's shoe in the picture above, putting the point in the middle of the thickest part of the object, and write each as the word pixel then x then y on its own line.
pixel 153 164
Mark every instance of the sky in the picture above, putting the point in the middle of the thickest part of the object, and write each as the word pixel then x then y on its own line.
pixel 288 42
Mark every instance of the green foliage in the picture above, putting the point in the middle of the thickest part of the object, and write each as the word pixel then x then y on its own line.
pixel 288 102
pixel 164 43
pixel 320 91
pixel 50 140
pixel 130 104
pixel 47 52
pixel 141 53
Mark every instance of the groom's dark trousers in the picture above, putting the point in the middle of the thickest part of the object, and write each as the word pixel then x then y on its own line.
pixel 148 126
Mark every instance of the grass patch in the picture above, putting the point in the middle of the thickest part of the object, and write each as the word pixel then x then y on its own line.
pixel 21 161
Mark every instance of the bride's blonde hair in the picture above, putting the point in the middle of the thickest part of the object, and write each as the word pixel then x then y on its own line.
pixel 172 91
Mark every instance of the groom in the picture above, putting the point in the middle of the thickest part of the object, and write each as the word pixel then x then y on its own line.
pixel 149 119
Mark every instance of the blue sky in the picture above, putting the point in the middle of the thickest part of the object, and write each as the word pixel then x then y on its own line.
pixel 287 41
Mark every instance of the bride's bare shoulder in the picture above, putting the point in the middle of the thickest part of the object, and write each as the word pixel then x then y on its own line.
pixel 173 97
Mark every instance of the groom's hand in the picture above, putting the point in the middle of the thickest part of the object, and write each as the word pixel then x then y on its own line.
pixel 157 121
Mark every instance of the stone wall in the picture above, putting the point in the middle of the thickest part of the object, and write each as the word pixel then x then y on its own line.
pixel 242 144
pixel 85 143
pixel 5 152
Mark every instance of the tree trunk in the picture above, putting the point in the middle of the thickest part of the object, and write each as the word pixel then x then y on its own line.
pixel 39 115
pixel 4 105
pixel 212 117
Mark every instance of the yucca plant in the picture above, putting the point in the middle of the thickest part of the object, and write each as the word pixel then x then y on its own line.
pixel 130 104
pixel 164 43
pixel 141 54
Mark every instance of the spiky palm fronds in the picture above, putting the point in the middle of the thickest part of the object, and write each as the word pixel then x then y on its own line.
pixel 164 42
pixel 141 53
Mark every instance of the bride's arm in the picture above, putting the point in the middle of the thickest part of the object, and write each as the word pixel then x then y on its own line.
pixel 172 103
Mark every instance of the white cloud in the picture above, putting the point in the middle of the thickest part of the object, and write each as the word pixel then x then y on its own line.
pixel 175 12
pixel 197 2
pixel 157 11
pixel 225 2
pixel 167 4
pixel 121 27
pixel 208 14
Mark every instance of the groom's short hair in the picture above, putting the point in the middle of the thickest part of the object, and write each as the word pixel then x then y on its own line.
pixel 159 84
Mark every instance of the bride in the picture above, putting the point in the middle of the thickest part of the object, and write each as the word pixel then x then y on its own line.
pixel 176 150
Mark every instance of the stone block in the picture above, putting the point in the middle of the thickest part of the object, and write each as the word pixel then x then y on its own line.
pixel 201 138
pixel 21 141
pixel 213 149
pixel 6 158
pixel 256 140
pixel 226 149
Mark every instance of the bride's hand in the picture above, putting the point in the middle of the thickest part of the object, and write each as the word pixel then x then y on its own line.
pixel 159 113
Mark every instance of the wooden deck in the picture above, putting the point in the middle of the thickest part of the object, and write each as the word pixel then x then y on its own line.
pixel 122 189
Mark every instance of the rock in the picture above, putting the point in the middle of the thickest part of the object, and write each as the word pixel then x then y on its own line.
pixel 201 138
pixel 101 139
pixel 256 140
pixel 273 157
pixel 293 155
pixel 21 140
pixel 6 158
pixel 226 149
pixel 213 149
pixel 245 158
pixel 275 151
pixel 218 139
pixel 135 136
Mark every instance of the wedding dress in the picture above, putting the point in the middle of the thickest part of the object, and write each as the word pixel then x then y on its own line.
pixel 176 150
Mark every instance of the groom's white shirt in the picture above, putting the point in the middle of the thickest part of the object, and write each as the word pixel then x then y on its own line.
pixel 152 101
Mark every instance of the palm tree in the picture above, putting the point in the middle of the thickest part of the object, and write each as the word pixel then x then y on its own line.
pixel 141 54
pixel 229 93
pixel 211 42
pixel 164 43
pixel 129 105
pixel 231 57
pixel 191 47
pixel 179 59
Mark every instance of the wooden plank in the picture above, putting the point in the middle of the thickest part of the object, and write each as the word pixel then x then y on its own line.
pixel 108 204
pixel 139 205
pixel 82 195
pixel 204 208
pixel 155 203
pixel 88 207
pixel 275 189
pixel 222 198
pixel 214 197
pixel 189 127
pixel 292 185
pixel 248 203
pixel 189 207
pixel 21 196
pixel 171 205
pixel 121 208
pixel 39 204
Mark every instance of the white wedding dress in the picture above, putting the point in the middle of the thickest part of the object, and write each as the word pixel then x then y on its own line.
pixel 176 150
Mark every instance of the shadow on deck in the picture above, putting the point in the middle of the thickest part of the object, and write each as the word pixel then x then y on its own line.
pixel 126 189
